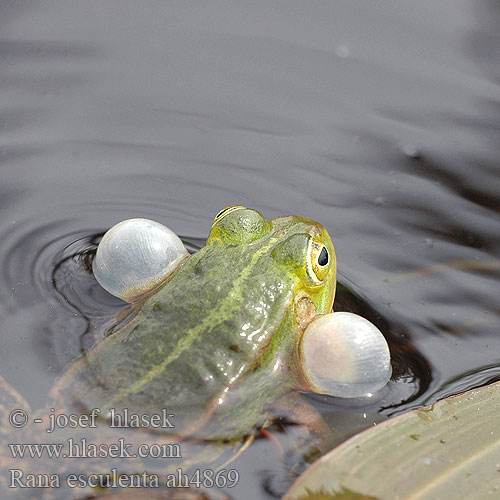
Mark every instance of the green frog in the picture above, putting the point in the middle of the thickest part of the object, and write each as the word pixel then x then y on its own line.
pixel 211 349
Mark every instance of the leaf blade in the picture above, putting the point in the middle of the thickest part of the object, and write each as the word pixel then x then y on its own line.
pixel 450 449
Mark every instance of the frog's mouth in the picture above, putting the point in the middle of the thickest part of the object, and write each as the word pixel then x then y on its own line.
pixel 305 310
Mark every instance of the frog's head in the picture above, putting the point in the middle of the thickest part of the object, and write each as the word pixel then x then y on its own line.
pixel 299 248
pixel 285 271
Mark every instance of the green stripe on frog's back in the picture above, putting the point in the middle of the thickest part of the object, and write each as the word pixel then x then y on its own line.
pixel 207 314
pixel 227 306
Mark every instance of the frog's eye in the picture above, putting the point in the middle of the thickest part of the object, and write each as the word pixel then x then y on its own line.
pixel 227 211
pixel 135 256
pixel 236 225
pixel 318 261
pixel 344 355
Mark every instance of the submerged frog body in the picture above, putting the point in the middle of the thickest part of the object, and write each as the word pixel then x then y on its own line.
pixel 218 341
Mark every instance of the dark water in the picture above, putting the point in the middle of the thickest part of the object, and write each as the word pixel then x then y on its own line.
pixel 379 119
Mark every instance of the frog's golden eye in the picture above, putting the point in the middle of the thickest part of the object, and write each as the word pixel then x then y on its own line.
pixel 227 211
pixel 318 260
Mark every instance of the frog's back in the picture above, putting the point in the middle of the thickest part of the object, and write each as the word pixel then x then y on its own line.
pixel 192 339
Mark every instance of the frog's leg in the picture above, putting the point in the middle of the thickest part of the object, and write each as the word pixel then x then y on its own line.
pixel 317 435
pixel 248 441
pixel 297 408
pixel 10 400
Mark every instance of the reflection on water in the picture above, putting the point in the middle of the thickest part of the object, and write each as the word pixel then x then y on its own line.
pixel 380 121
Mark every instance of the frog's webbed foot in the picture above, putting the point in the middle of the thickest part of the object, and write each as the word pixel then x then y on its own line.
pixel 300 435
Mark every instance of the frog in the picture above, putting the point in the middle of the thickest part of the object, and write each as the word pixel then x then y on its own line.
pixel 212 348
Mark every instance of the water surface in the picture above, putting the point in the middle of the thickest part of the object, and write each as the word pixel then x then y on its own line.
pixel 379 119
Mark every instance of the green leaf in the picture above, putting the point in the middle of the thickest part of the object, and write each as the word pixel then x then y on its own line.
pixel 450 449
